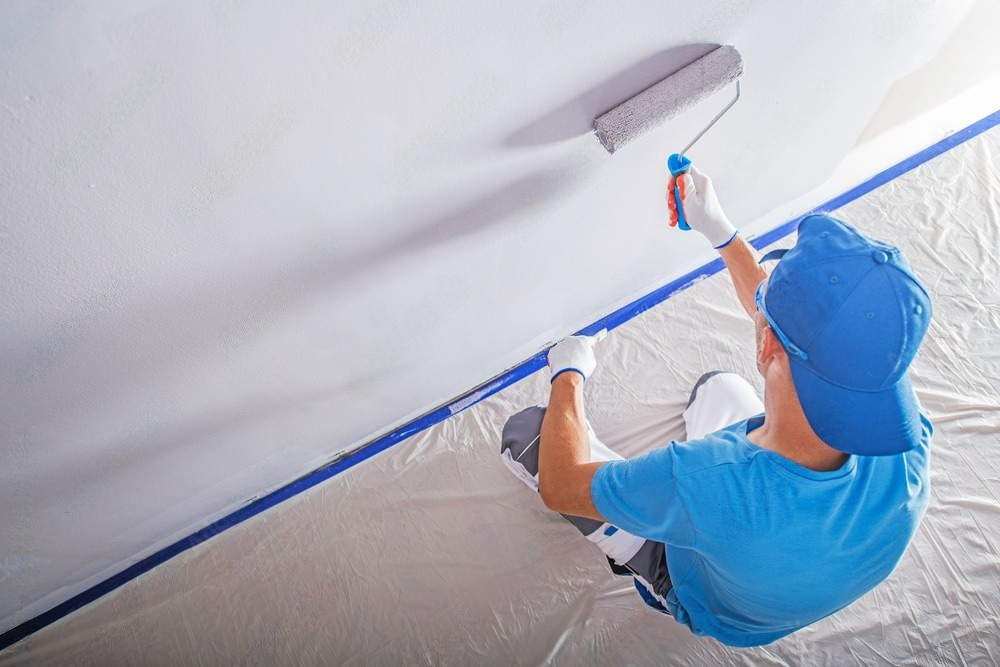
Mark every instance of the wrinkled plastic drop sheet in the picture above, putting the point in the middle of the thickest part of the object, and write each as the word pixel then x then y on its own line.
pixel 433 553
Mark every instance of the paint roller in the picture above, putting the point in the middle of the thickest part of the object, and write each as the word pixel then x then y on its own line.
pixel 670 97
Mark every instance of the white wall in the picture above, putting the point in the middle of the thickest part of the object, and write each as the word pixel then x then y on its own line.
pixel 965 61
pixel 237 239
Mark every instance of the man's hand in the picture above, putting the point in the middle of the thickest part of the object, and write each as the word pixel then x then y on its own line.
pixel 701 208
pixel 575 353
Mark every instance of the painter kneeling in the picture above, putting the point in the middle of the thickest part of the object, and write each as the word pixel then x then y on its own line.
pixel 773 515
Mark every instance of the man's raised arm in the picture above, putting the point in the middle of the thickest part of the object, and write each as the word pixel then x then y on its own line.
pixel 704 214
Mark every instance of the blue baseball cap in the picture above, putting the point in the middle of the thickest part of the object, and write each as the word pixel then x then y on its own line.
pixel 851 314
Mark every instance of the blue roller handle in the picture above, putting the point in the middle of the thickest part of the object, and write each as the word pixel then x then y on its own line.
pixel 678 164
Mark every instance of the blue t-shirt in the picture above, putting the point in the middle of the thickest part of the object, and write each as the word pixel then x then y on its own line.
pixel 757 545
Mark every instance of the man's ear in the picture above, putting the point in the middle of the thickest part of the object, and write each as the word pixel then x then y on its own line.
pixel 769 347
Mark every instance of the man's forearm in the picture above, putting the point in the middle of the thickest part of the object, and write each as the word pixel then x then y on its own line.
pixel 564 467
pixel 564 441
pixel 741 260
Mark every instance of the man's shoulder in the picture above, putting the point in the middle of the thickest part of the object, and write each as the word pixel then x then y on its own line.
pixel 726 448
pixel 726 452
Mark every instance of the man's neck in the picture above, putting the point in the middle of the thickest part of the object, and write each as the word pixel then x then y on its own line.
pixel 787 432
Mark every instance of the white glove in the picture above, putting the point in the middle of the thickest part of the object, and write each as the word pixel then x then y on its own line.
pixel 575 353
pixel 701 208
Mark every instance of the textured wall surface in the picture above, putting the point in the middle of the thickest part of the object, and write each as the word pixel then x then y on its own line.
pixel 239 238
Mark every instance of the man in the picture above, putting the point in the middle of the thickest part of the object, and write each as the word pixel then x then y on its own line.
pixel 773 515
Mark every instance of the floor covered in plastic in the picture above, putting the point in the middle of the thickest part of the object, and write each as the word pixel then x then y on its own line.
pixel 433 553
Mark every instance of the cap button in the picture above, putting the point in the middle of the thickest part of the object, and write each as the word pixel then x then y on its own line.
pixel 880 257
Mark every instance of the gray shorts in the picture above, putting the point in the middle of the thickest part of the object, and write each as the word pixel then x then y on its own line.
pixel 717 400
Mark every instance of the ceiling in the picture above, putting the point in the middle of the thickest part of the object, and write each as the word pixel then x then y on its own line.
pixel 237 239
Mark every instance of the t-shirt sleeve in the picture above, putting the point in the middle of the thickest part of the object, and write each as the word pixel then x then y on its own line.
pixel 641 495
pixel 918 457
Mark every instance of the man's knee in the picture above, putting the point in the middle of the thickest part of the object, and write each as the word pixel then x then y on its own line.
pixel 719 399
pixel 702 380
pixel 520 437
pixel 728 386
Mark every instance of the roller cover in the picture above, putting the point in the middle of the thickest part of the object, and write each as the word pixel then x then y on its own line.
pixel 673 95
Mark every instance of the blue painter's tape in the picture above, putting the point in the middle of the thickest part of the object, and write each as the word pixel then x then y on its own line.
pixel 487 389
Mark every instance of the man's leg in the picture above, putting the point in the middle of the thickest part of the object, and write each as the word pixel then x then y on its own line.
pixel 627 554
pixel 718 400
pixel 648 568
pixel 519 450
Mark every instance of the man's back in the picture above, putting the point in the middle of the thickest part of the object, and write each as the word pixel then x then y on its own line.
pixel 757 545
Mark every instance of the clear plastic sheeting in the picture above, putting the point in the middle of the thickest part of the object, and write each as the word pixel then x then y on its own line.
pixel 433 553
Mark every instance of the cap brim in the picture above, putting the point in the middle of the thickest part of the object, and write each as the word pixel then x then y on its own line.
pixel 864 423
